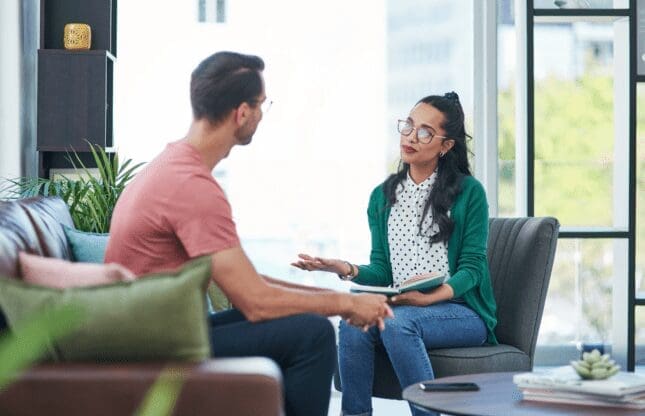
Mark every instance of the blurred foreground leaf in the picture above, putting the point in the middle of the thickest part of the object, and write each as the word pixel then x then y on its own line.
pixel 162 396
pixel 29 341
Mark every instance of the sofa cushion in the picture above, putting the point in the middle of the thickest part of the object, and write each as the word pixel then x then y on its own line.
pixel 156 317
pixel 58 273
pixel 86 247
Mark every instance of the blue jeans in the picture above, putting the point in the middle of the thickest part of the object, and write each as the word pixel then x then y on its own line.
pixel 304 346
pixel 405 338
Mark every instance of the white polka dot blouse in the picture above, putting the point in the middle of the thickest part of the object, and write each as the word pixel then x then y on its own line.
pixel 410 250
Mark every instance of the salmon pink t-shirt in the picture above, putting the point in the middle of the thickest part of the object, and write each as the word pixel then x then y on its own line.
pixel 171 212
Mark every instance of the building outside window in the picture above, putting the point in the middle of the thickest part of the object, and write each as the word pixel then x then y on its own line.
pixel 213 11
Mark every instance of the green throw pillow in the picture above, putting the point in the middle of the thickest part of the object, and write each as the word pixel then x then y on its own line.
pixel 86 247
pixel 160 316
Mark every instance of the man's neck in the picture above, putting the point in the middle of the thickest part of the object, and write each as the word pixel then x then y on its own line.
pixel 212 143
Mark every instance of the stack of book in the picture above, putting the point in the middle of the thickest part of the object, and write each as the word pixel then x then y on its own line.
pixel 564 385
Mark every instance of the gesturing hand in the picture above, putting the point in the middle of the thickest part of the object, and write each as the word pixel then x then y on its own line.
pixel 309 263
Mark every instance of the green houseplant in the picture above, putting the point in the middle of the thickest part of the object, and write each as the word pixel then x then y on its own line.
pixel 91 199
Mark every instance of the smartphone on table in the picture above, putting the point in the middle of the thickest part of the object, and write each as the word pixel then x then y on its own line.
pixel 448 386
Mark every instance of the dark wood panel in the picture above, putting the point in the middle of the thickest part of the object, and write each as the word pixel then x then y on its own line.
pixel 72 98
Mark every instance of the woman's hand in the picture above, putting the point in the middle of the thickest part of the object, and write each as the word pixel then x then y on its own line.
pixel 412 298
pixel 309 263
pixel 416 298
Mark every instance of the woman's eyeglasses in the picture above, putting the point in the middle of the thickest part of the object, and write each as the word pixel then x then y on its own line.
pixel 424 134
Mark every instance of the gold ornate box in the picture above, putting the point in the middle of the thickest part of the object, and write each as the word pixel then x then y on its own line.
pixel 77 36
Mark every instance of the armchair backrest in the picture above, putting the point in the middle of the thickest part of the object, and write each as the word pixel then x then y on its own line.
pixel 520 256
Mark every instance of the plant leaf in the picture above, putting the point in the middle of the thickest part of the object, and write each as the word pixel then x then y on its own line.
pixel 91 200
pixel 28 341
pixel 162 396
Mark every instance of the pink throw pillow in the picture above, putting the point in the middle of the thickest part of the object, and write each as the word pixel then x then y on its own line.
pixel 58 273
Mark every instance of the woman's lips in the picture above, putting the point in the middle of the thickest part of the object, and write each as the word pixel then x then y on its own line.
pixel 408 149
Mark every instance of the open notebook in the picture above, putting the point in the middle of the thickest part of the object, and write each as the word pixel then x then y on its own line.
pixel 422 283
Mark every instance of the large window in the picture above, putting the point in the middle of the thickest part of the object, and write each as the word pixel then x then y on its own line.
pixel 640 225
pixel 580 161
pixel 339 74
pixel 303 184
pixel 575 174
pixel 506 105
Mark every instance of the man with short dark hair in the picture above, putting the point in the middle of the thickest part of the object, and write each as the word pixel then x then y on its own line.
pixel 174 211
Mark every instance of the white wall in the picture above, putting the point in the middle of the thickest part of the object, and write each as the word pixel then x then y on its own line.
pixel 9 88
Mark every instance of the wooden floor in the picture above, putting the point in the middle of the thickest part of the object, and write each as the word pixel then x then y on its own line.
pixel 381 407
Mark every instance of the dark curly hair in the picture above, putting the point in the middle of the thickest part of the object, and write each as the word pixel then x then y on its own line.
pixel 451 169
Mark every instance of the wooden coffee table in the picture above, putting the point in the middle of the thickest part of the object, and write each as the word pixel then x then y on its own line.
pixel 497 396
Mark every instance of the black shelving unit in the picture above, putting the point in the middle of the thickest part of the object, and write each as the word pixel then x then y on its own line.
pixel 75 88
pixel 100 15
pixel 593 15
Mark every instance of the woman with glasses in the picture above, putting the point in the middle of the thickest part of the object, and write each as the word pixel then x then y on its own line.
pixel 430 216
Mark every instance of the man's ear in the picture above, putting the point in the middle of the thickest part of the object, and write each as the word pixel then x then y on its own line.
pixel 242 113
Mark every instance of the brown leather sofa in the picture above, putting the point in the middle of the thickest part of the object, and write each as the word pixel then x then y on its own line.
pixel 238 386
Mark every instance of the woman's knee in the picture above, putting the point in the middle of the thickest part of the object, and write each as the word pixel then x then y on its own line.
pixel 397 327
pixel 352 334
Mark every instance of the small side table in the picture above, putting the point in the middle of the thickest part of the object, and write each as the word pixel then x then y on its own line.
pixel 498 395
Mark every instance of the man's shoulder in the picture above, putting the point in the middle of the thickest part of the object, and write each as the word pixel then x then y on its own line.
pixel 175 169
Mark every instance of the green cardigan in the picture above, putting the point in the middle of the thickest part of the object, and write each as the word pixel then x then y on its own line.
pixel 467 261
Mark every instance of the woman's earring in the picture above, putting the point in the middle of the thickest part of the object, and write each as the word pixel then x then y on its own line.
pixel 442 154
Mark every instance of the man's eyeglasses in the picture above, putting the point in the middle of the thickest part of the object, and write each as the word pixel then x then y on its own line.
pixel 265 105
pixel 424 134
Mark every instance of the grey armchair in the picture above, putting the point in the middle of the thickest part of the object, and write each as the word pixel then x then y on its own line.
pixel 520 256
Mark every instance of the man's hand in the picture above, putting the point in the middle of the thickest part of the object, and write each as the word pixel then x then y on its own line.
pixel 367 310
pixel 307 262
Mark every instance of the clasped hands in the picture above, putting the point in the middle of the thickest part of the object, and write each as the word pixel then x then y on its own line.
pixel 368 309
